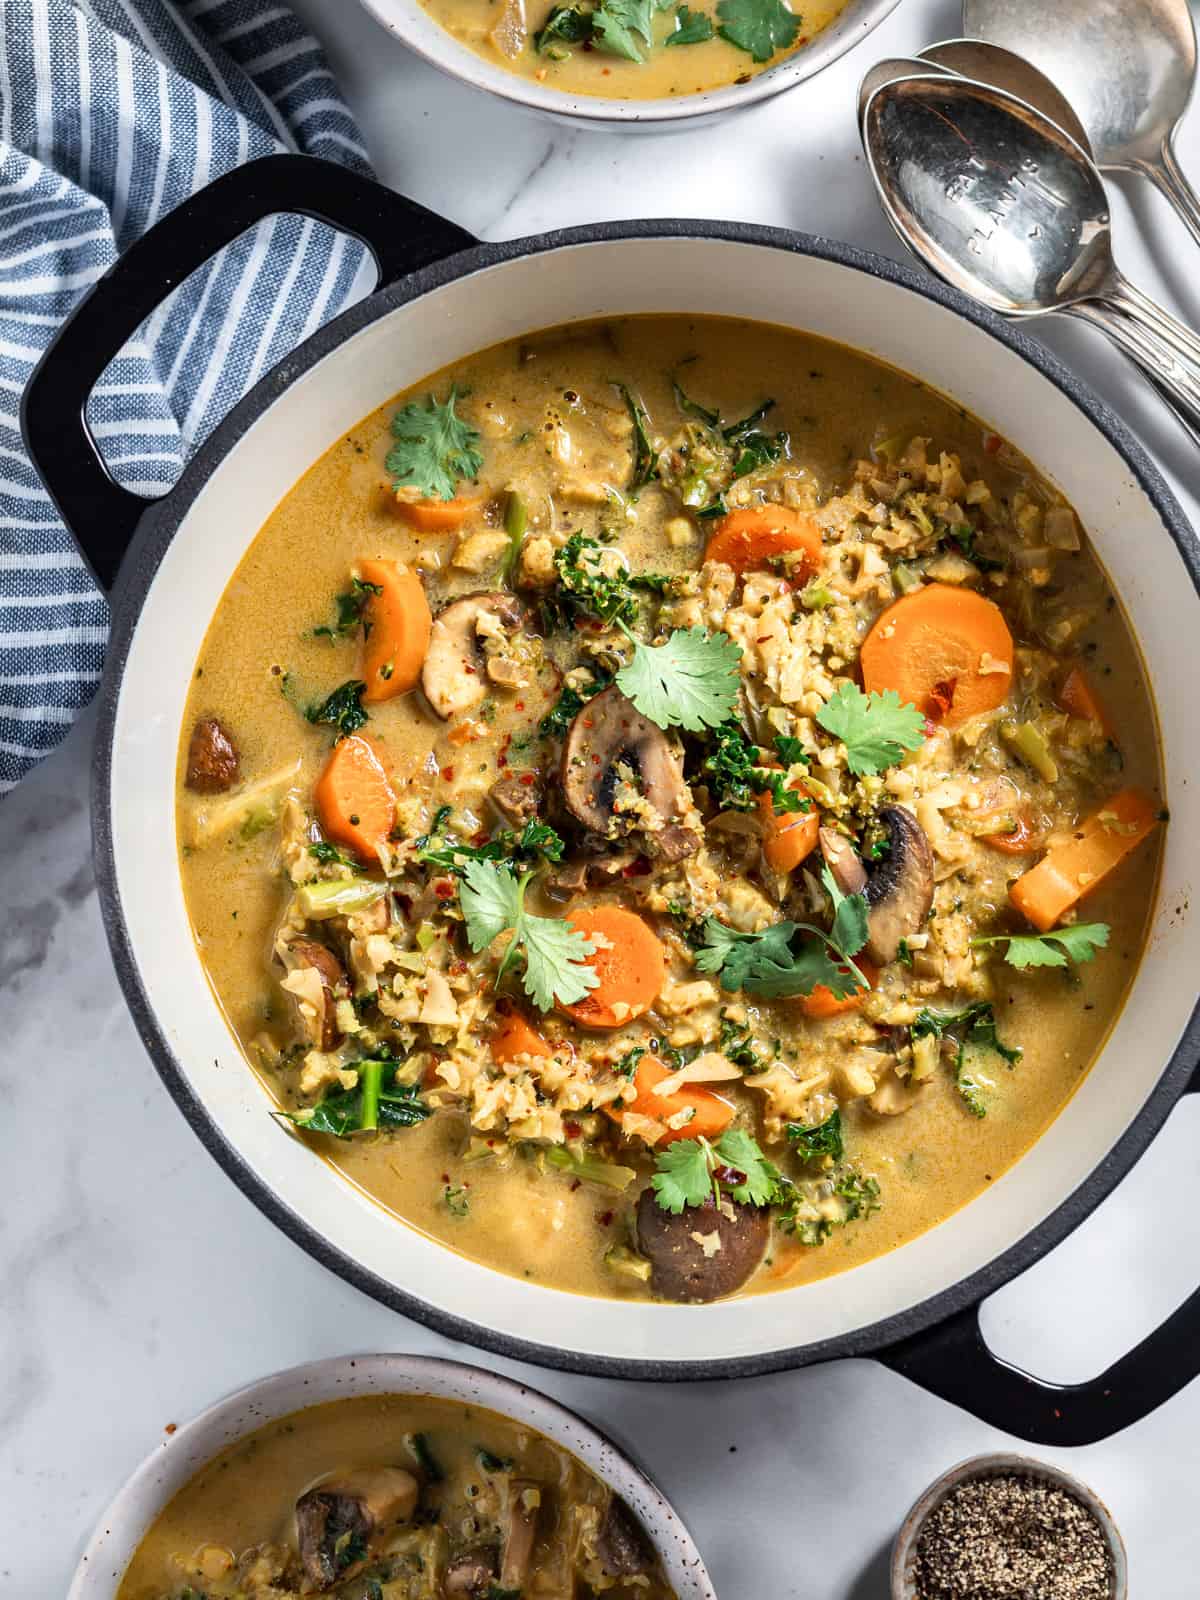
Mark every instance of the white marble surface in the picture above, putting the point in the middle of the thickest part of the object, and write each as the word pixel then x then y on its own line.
pixel 136 1284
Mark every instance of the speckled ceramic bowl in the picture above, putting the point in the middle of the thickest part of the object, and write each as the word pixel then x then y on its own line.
pixel 904 1555
pixel 178 1457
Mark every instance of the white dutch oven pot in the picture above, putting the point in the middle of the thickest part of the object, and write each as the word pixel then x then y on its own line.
pixel 161 1476
pixel 445 296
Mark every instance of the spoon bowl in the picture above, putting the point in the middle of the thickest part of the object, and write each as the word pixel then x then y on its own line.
pixel 890 70
pixel 1004 69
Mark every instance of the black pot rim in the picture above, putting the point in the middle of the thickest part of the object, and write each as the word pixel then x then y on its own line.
pixel 155 533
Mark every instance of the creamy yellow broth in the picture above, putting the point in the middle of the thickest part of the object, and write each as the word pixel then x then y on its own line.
pixel 231 1530
pixel 519 1215
pixel 504 33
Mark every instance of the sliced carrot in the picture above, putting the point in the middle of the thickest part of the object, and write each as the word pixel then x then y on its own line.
pixel 1078 699
pixel 397 633
pixel 354 799
pixel 515 1037
pixel 945 650
pixel 751 538
pixel 1018 841
pixel 710 1114
pixel 438 516
pixel 823 1003
pixel 628 961
pixel 1069 871
pixel 788 836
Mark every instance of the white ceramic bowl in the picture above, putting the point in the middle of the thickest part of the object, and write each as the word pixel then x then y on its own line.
pixel 904 1554
pixel 413 26
pixel 174 1461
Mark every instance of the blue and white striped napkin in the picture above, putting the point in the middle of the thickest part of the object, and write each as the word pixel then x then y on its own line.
pixel 111 113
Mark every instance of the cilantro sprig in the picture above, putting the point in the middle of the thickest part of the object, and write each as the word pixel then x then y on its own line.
pixel 759 27
pixel 689 1171
pixel 555 972
pixel 791 958
pixel 691 681
pixel 1077 943
pixel 875 728
pixel 434 447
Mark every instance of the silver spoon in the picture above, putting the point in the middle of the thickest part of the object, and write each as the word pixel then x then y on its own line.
pixel 1126 66
pixel 989 63
pixel 1006 207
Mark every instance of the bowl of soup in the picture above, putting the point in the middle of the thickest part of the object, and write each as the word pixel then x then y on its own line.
pixel 618 66
pixel 401 1476
pixel 636 829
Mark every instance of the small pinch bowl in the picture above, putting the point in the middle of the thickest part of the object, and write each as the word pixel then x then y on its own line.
pixel 414 27
pixel 176 1459
pixel 1000 1465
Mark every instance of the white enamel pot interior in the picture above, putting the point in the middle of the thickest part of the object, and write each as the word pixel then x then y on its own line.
pixel 503 292
pixel 414 26
pixel 178 1457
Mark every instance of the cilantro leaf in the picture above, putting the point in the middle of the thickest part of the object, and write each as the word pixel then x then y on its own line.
pixel 825 1139
pixel 875 728
pixel 849 931
pixel 493 902
pixel 625 28
pixel 760 27
pixel 690 682
pixel 691 27
pixel 684 1177
pixel 740 1151
pixel 434 447
pixel 768 964
pixel 1079 942
pixel 565 25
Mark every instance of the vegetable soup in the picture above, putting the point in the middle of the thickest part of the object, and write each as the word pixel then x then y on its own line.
pixel 395 1497
pixel 670 807
pixel 634 49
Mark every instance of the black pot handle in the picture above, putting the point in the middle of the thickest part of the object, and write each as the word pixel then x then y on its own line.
pixel 952 1361
pixel 101 515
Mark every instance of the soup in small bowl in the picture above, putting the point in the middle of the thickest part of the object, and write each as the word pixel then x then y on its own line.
pixel 670 808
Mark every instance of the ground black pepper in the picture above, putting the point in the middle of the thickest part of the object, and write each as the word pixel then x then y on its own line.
pixel 1012 1538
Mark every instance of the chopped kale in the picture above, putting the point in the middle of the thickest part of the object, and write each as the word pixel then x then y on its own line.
pixel 342 710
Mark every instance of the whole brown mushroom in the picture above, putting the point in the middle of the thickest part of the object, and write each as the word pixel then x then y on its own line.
pixel 704 1252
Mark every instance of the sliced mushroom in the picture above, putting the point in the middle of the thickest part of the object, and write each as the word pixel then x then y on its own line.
pixel 337 1521
pixel 455 676
pixel 703 1253
pixel 524 1509
pixel 323 1030
pixel 610 733
pixel 471 1574
pixel 898 887
pixel 212 763
pixel 622 1544
pixel 517 802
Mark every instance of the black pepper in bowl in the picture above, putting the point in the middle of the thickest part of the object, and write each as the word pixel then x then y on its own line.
pixel 1012 1538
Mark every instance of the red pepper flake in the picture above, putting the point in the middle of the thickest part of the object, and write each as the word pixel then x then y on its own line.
pixel 604 1218
pixel 448 774
pixel 444 889
pixel 171 1427
pixel 458 966
pixel 481 837
pixel 942 698
pixel 519 706
pixel 528 779
pixel 429 1077
pixel 572 1130
pixel 637 869
pixel 992 443
pixel 470 669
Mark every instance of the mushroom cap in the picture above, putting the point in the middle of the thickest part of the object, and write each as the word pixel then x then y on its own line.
pixel 359 1504
pixel 453 676
pixel 609 731
pixel 622 1544
pixel 334 984
pixel 899 887
pixel 212 761
pixel 681 1270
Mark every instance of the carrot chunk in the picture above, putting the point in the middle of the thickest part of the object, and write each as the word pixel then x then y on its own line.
pixel 628 961
pixel 788 836
pixel 1069 871
pixel 1018 841
pixel 515 1037
pixel 823 1003
pixel 710 1113
pixel 438 516
pixel 354 799
pixel 397 633
pixel 1077 698
pixel 945 650
pixel 749 539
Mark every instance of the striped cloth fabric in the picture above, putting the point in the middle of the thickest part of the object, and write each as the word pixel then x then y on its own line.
pixel 111 113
